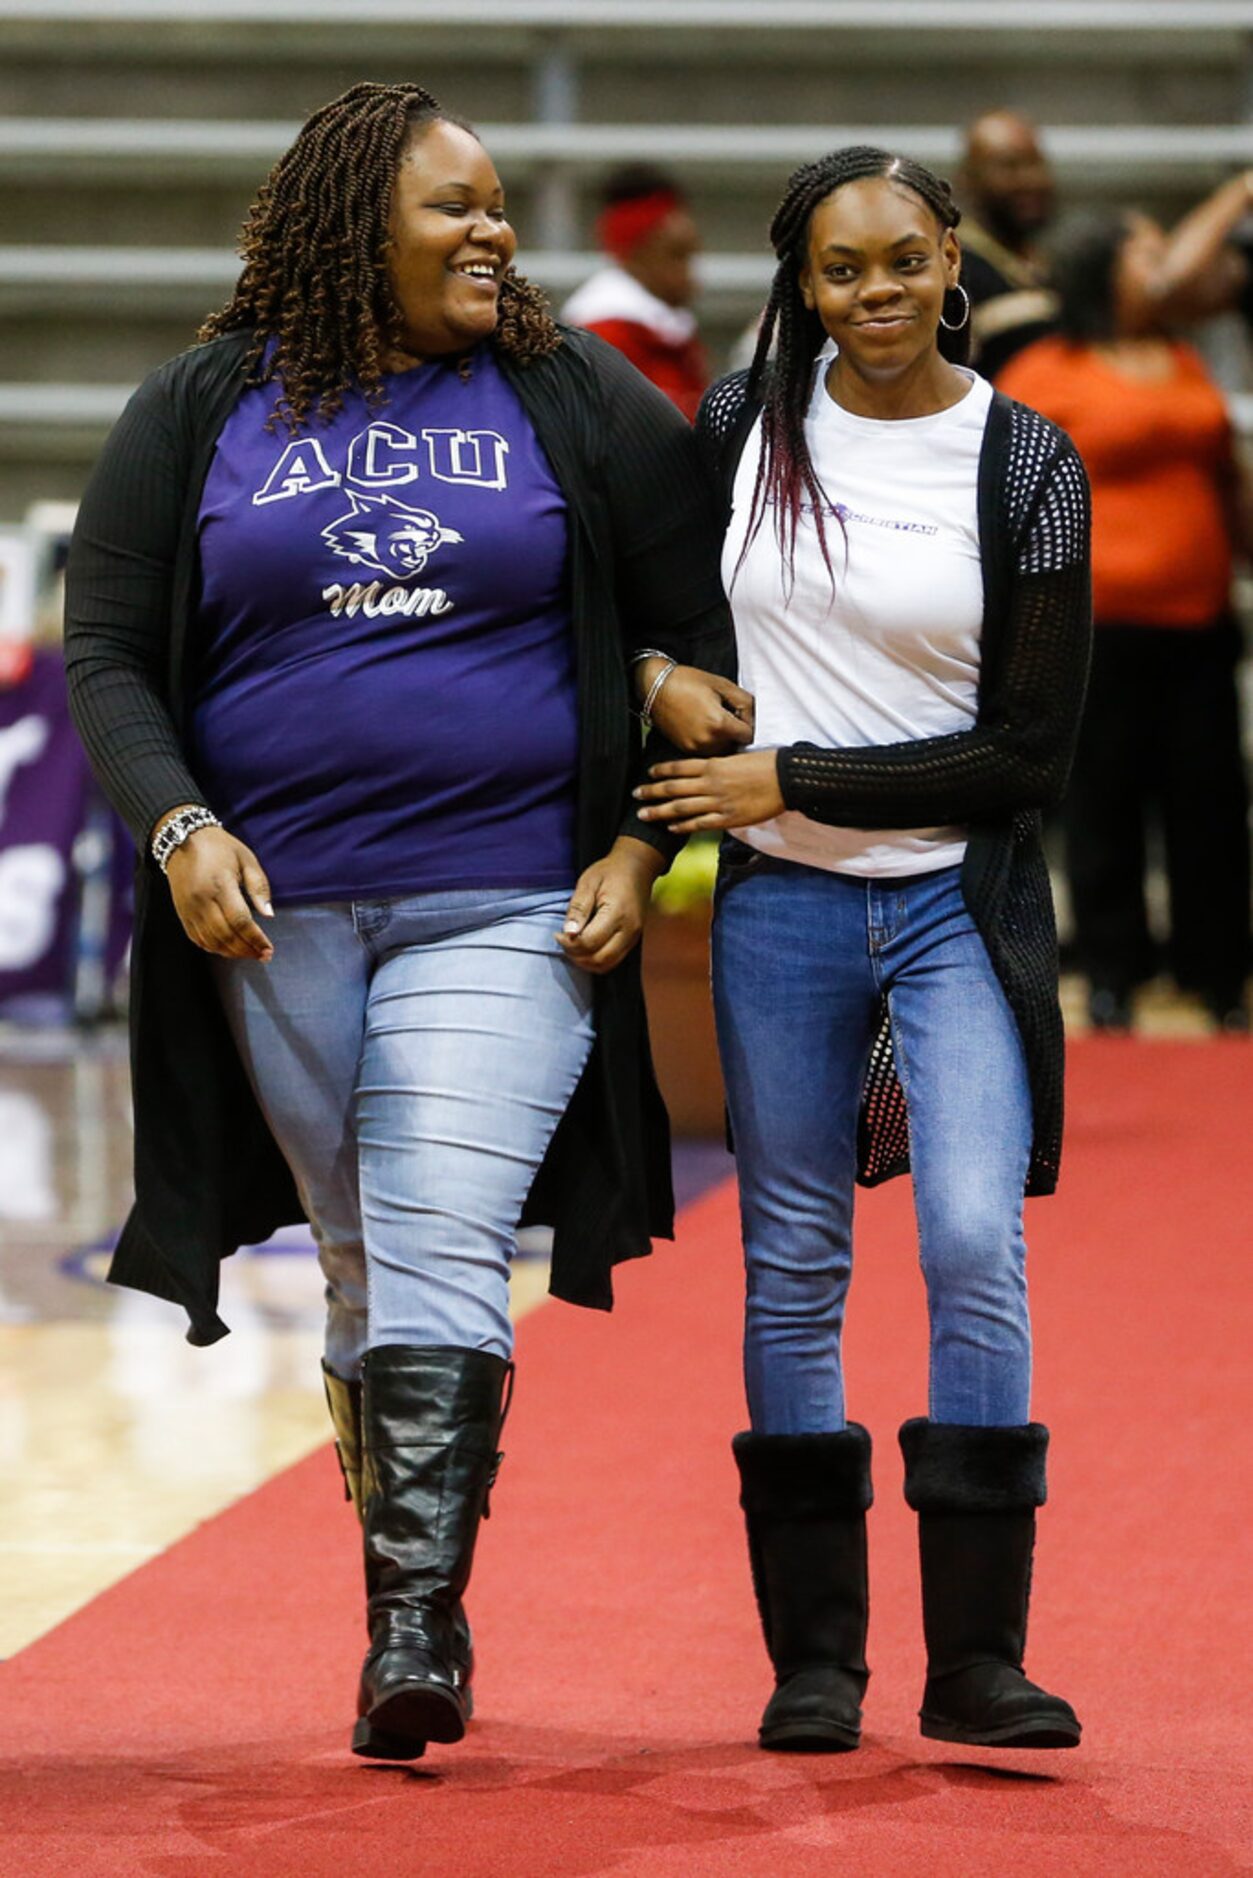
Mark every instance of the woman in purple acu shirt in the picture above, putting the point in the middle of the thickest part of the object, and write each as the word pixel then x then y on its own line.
pixel 353 602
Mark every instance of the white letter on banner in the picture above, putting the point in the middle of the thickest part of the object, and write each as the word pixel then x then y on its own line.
pixel 31 880
pixel 22 742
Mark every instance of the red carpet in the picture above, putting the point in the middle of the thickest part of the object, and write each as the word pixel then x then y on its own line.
pixel 194 1719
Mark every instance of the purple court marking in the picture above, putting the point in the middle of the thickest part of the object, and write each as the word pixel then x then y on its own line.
pixel 698 1166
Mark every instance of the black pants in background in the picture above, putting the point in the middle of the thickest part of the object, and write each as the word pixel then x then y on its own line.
pixel 1161 739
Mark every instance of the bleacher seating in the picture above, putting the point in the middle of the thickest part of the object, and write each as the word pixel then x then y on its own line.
pixel 133 132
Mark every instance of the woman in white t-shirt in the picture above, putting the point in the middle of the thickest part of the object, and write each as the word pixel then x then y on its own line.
pixel 907 561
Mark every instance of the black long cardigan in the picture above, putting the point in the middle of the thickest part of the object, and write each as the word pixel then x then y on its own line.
pixel 643 570
pixel 994 778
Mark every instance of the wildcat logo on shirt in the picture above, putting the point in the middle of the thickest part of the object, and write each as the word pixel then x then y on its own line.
pixel 386 535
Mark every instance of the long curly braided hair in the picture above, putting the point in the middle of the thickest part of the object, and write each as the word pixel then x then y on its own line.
pixel 791 335
pixel 314 285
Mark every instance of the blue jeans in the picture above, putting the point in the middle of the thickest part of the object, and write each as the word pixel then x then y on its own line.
pixel 413 1058
pixel 800 961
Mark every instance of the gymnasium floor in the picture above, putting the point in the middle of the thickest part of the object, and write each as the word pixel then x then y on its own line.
pixel 116 1436
pixel 94 1478
pixel 181 1602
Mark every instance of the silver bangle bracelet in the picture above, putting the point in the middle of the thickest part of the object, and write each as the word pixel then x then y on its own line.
pixel 175 831
pixel 646 709
pixel 647 652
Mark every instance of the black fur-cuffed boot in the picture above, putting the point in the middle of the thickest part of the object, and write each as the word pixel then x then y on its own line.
pixel 431 1421
pixel 805 1499
pixel 975 1491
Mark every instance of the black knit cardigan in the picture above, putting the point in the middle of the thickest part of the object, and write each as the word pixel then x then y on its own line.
pixel 643 570
pixel 996 777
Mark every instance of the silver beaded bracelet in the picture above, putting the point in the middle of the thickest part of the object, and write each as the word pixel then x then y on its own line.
pixel 174 833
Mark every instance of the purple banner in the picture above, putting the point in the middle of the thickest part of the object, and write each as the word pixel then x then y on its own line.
pixel 64 856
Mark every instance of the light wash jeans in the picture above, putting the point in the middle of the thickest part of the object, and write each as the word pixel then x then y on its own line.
pixel 800 958
pixel 413 1058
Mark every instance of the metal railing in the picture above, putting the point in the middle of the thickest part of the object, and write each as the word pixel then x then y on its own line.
pixel 94 146
pixel 1004 17
pixel 91 407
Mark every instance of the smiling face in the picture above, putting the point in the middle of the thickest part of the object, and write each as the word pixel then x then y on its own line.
pixel 876 272
pixel 450 242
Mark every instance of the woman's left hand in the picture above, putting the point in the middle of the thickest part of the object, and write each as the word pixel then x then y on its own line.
pixel 608 907
pixel 698 711
pixel 713 792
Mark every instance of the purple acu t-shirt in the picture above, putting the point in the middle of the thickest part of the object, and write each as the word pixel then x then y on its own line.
pixel 385 692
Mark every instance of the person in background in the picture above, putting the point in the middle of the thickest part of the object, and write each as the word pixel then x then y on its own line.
pixel 1206 263
pixel 1161 734
pixel 641 300
pixel 352 614
pixel 1007 192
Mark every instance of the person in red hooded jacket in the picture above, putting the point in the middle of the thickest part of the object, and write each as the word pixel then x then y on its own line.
pixel 640 301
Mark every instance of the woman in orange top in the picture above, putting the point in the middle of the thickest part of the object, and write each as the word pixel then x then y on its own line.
pixel 1161 733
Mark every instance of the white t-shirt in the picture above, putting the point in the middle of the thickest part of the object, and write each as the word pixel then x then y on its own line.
pixel 885 649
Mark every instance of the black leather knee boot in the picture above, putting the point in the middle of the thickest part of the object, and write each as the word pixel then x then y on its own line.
pixel 975 1491
pixel 344 1402
pixel 431 1421
pixel 804 1499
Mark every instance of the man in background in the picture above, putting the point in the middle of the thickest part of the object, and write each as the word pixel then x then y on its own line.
pixel 1007 195
pixel 640 301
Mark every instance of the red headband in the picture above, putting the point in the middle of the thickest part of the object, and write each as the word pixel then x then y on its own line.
pixel 624 225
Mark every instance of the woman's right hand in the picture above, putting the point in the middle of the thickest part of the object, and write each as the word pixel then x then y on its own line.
pixel 700 712
pixel 213 878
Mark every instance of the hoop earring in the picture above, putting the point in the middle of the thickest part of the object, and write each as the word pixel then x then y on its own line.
pixel 955 326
